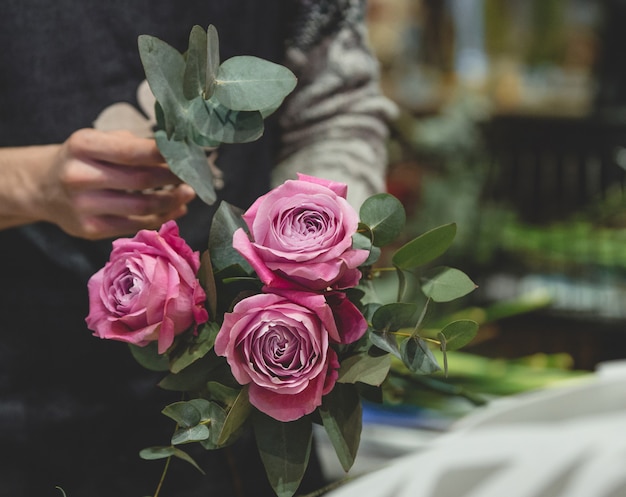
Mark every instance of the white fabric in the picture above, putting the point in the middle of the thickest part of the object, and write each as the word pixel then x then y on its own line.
pixel 563 442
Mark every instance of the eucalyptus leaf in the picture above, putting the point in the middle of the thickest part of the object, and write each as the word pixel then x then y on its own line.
pixel 165 67
pixel 149 357
pixel 443 284
pixel 184 413
pixel 459 333
pixel 194 79
pixel 385 341
pixel 248 83
pixel 188 435
pixel 364 368
pixel 385 216
pixel 217 420
pixel 188 161
pixel 392 317
pixel 425 248
pixel 342 415
pixel 154 453
pixel 158 452
pixel 362 242
pixel 221 124
pixel 213 60
pixel 284 448
pixel 418 357
pixel 183 456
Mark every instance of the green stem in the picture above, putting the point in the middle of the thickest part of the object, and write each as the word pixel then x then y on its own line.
pixel 160 485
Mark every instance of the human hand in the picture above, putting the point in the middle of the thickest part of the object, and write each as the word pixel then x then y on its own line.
pixel 107 184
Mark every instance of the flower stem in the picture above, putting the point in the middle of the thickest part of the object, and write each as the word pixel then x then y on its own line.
pixel 160 485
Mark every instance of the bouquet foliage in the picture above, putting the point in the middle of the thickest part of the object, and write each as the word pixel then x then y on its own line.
pixel 277 325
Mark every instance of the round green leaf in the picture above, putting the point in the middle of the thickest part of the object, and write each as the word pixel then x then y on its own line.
pixel 459 333
pixel 248 83
pixel 443 284
pixel 425 247
pixel 184 413
pixel 154 453
pixel 193 434
pixel 392 317
pixel 385 216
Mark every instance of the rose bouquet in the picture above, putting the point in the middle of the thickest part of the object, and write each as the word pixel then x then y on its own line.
pixel 277 325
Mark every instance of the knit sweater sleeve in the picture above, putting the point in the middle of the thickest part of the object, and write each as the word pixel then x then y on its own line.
pixel 335 124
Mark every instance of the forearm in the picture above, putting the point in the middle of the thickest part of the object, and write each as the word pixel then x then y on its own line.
pixel 21 169
pixel 335 123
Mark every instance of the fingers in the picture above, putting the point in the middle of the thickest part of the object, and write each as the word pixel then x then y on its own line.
pixel 109 213
pixel 127 204
pixel 81 175
pixel 118 147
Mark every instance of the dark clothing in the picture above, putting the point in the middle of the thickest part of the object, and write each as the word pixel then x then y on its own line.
pixel 76 410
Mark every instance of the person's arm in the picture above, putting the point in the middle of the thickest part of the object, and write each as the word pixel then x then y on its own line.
pixel 95 185
pixel 334 125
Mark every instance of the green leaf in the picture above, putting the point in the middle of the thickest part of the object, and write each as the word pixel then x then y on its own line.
pixel 364 368
pixel 153 453
pixel 196 348
pixel 342 418
pixel 385 341
pixel 158 452
pixel 193 434
pixel 221 124
pixel 418 357
pixel 194 79
pixel 443 284
pixel 459 333
pixel 165 67
pixel 149 357
pixel 184 413
pixel 188 161
pixel 226 221
pixel 284 449
pixel 392 317
pixel 236 417
pixel 249 83
pixel 385 216
pixel 425 247
pixel 213 59
pixel 217 415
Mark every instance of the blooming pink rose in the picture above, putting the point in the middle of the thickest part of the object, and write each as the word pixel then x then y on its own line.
pixel 148 290
pixel 302 236
pixel 280 348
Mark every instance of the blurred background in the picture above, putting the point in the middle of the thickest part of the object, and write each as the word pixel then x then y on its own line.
pixel 513 125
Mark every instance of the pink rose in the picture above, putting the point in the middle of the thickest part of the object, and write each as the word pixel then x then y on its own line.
pixel 148 290
pixel 302 236
pixel 280 348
